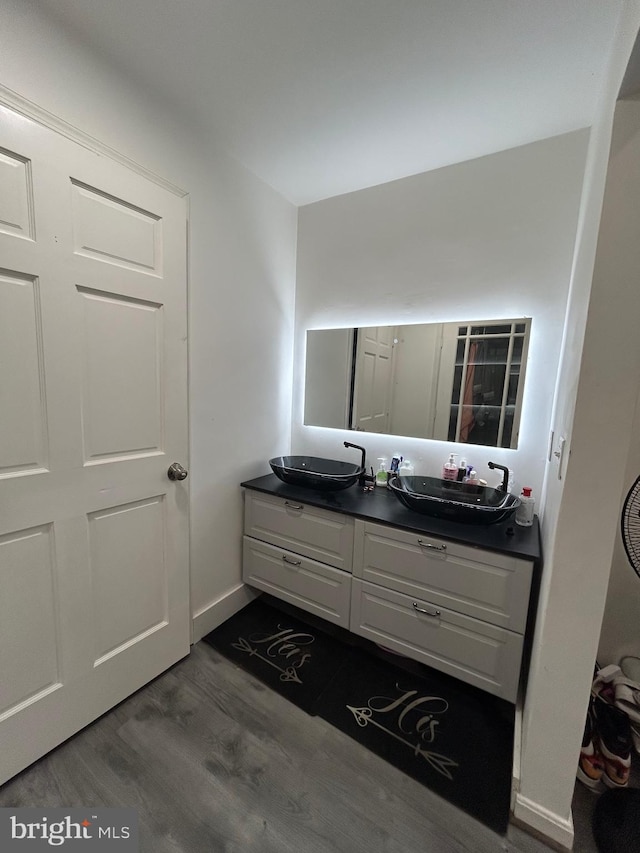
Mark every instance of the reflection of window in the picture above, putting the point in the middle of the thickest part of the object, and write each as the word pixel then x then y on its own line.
pixel 487 384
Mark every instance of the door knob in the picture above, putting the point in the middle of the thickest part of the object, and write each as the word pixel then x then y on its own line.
pixel 177 472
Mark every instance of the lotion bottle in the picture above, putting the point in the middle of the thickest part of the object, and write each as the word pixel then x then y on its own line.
pixel 524 513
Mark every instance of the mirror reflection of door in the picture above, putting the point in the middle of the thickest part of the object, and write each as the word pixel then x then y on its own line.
pixel 373 379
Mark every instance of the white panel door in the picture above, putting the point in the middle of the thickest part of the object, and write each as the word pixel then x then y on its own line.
pixel 374 376
pixel 93 410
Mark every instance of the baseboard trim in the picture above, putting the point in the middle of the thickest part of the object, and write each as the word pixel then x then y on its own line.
pixel 221 609
pixel 552 828
pixel 517 749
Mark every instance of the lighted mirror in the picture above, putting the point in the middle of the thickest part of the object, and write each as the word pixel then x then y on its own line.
pixel 460 382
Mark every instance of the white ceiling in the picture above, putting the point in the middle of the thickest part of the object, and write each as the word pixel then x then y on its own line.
pixel 321 97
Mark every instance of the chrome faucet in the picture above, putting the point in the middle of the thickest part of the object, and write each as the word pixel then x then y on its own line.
pixel 504 485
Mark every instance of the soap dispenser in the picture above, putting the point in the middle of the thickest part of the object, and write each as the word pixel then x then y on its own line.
pixel 381 473
pixel 450 469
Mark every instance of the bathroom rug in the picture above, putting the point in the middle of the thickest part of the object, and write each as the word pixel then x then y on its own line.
pixel 292 657
pixel 454 738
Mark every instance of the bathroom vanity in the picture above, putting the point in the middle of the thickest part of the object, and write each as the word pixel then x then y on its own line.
pixel 457 597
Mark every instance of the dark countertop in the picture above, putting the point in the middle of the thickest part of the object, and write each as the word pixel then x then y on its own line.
pixel 383 507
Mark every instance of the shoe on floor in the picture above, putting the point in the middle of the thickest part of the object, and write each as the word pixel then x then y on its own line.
pixel 614 740
pixel 616 686
pixel 627 698
pixel 590 763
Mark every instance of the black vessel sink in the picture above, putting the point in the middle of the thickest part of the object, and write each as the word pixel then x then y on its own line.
pixel 325 475
pixel 470 504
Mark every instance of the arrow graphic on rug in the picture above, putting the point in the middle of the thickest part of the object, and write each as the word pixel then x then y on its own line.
pixel 439 762
pixel 288 674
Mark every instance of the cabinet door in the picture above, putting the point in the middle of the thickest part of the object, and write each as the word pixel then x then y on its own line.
pixel 295 526
pixel 309 585
pixel 488 586
pixel 473 651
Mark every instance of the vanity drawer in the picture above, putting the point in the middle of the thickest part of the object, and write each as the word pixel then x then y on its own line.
pixel 309 585
pixel 482 584
pixel 315 533
pixel 476 652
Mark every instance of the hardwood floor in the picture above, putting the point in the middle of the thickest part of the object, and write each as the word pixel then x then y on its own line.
pixel 214 761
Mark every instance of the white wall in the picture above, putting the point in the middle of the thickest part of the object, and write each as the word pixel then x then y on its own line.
pixel 620 633
pixel 485 239
pixel 242 276
pixel 594 405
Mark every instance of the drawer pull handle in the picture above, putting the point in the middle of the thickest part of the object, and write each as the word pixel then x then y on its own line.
pixel 293 506
pixel 424 544
pixel 422 610
pixel 290 561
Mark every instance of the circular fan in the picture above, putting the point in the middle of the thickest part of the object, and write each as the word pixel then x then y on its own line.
pixel 630 525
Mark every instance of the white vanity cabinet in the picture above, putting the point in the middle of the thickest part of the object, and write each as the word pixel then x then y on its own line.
pixel 299 553
pixel 456 606
pixel 459 609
